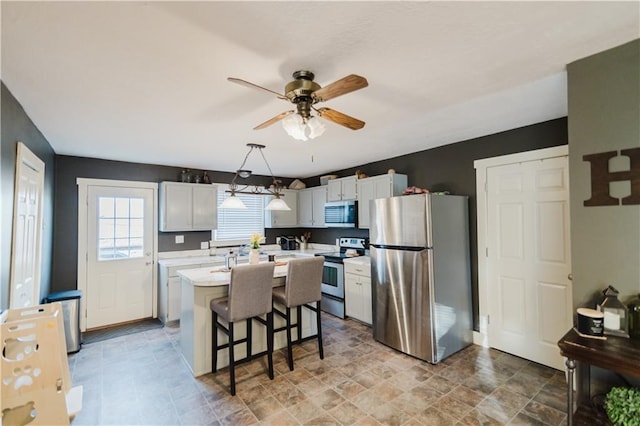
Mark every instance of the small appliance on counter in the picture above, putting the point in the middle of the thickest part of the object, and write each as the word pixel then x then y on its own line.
pixel 287 243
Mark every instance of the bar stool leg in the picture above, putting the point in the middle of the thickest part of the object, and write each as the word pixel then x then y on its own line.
pixel 249 336
pixel 319 327
pixel 270 343
pixel 289 349
pixel 232 366
pixel 214 342
pixel 571 366
pixel 299 323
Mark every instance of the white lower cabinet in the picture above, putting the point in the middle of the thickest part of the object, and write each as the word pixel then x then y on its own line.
pixel 169 287
pixel 357 288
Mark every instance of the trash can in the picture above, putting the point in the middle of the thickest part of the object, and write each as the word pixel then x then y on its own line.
pixel 70 301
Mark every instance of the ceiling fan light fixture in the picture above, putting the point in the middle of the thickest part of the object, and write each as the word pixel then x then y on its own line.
pixel 294 126
pixel 315 127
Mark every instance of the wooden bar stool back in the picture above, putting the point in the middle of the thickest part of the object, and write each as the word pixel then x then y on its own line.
pixel 304 278
pixel 249 297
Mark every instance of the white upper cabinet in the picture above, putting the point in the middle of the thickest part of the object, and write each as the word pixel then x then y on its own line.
pixel 374 187
pixel 311 203
pixel 342 189
pixel 188 207
pixel 283 218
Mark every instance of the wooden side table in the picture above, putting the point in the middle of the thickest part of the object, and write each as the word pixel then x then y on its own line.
pixel 617 354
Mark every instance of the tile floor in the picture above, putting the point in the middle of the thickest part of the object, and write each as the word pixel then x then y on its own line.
pixel 140 379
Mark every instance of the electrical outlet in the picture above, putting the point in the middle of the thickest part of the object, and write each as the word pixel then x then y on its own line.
pixel 204 245
pixel 179 239
pixel 278 240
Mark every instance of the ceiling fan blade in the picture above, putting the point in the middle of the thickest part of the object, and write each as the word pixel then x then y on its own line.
pixel 273 120
pixel 340 118
pixel 255 86
pixel 344 85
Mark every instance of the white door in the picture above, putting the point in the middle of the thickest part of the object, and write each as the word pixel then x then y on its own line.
pixel 120 238
pixel 528 258
pixel 27 226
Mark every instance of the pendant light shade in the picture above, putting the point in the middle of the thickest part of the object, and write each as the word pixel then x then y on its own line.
pixel 277 204
pixel 232 202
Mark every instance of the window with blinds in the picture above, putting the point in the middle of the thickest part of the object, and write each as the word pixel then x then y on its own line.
pixel 239 224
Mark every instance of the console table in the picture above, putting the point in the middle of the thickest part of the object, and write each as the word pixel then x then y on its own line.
pixel 617 354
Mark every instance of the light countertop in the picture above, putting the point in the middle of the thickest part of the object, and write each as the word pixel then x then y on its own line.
pixel 214 276
pixel 358 260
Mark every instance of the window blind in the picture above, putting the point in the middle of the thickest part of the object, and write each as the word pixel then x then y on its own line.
pixel 239 224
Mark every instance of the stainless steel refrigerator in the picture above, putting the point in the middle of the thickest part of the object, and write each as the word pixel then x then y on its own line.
pixel 420 273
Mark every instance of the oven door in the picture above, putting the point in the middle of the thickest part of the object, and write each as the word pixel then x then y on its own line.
pixel 333 279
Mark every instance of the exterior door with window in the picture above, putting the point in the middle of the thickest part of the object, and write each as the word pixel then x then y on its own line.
pixel 120 238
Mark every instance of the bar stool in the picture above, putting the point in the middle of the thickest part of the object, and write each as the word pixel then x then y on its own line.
pixel 302 287
pixel 249 296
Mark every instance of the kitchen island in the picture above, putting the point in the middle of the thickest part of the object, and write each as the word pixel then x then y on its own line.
pixel 198 287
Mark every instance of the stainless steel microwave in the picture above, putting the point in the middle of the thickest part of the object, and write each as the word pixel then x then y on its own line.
pixel 341 214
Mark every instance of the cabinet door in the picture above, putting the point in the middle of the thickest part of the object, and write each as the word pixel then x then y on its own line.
pixel 305 207
pixel 283 218
pixel 319 200
pixel 365 194
pixel 173 299
pixel 367 307
pixel 177 208
pixel 205 209
pixel 349 188
pixel 351 296
pixel 334 190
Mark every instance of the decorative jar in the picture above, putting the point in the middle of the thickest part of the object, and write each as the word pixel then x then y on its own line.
pixel 634 317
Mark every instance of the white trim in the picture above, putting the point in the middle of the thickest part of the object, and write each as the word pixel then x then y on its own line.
pixel 83 185
pixel 482 167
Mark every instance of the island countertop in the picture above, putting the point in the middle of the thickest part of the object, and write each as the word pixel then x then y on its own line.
pixel 215 276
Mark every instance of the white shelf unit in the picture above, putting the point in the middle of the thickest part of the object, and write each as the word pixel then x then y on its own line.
pixel 371 188
pixel 342 189
pixel 357 287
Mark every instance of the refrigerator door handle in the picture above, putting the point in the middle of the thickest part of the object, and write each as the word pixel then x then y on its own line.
pixel 403 248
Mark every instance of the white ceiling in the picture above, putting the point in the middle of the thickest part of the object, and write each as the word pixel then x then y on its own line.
pixel 146 81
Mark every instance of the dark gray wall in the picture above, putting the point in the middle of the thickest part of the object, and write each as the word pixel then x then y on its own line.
pixel 450 168
pixel 70 168
pixel 18 127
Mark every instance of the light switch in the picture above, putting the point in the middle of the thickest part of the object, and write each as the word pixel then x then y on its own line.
pixel 204 245
pixel 179 239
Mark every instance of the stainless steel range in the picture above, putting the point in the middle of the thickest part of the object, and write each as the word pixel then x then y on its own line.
pixel 333 273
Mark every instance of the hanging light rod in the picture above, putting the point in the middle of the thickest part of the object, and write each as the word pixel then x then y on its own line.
pixel 275 190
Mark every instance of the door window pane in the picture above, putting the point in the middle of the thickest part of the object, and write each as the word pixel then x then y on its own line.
pixel 120 228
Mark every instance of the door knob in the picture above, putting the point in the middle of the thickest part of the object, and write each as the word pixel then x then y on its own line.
pixel 570 276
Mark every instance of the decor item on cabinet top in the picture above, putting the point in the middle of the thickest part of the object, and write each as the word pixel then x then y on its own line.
pixel 233 202
pixel 415 190
pixel 360 174
pixel 615 313
pixel 297 184
pixel 304 93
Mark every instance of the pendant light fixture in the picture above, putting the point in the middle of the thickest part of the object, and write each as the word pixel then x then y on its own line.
pixel 275 190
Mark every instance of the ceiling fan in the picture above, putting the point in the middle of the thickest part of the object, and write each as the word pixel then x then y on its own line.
pixel 305 93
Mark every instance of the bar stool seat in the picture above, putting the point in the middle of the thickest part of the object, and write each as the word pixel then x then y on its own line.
pixel 249 297
pixel 302 287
